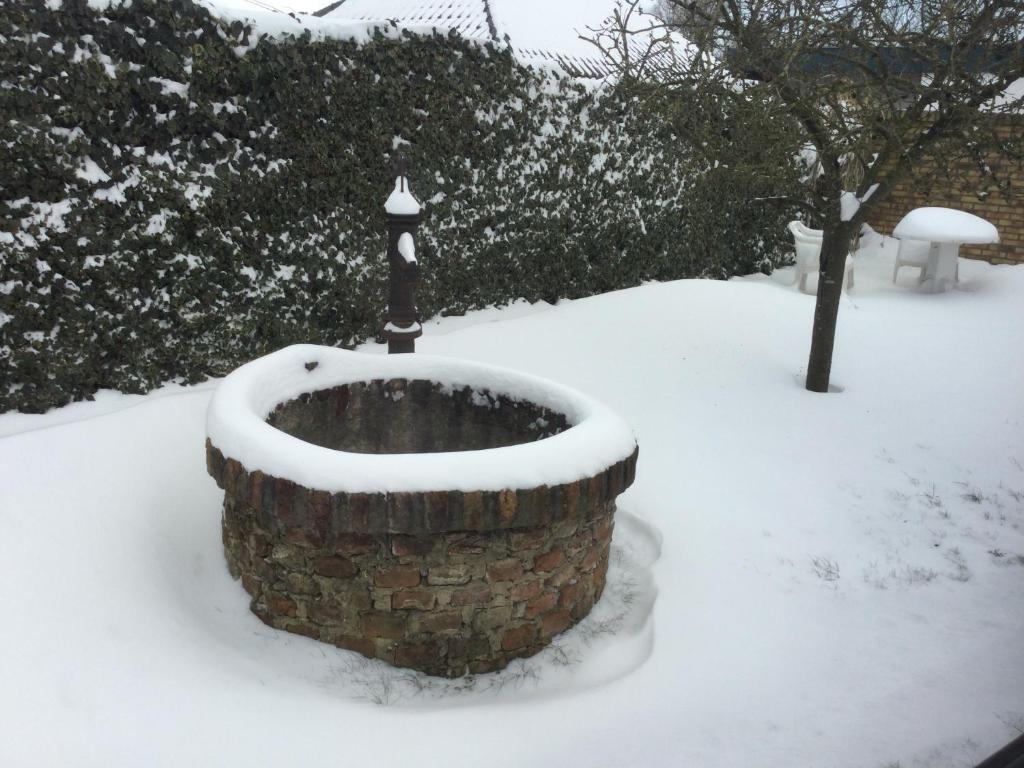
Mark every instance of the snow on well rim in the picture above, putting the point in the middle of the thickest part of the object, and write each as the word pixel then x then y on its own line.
pixel 236 424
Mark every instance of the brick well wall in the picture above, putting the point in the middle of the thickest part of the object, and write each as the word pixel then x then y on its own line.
pixel 445 582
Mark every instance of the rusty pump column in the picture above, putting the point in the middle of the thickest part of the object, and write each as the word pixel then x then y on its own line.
pixel 403 216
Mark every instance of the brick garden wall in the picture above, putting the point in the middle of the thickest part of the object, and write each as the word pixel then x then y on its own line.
pixel 975 195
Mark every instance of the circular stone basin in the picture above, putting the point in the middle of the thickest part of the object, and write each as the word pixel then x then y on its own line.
pixel 437 514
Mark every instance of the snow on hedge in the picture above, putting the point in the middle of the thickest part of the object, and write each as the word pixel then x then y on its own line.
pixel 172 207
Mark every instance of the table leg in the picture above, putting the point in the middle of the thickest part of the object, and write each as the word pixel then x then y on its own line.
pixel 940 274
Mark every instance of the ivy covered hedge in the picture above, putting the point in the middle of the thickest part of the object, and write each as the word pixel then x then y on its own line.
pixel 179 196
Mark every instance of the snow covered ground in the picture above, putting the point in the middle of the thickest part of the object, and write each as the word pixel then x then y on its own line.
pixel 798 579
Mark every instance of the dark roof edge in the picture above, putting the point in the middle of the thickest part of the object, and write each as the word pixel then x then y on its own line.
pixel 324 11
pixel 490 19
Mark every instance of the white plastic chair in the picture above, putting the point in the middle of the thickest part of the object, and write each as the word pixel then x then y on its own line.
pixel 807 243
pixel 914 253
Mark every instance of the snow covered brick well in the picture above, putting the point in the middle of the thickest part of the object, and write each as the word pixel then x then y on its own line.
pixel 436 514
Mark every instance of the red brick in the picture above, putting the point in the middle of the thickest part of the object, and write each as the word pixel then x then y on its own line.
pixel 326 613
pixel 473 508
pixel 284 495
pixel 389 626
pixel 255 489
pixel 540 498
pixel 615 475
pixel 418 599
pixel 320 513
pixel 548 562
pixel 214 462
pixel 306 630
pixel 303 537
pixel 359 511
pixel 335 567
pixel 301 584
pixel 250 584
pixel 505 570
pixel 472 544
pixel 402 546
pixel 582 606
pixel 592 559
pixel 461 648
pixel 507 505
pixel 426 653
pixel 449 575
pixel 471 596
pixel 526 590
pixel 437 509
pixel 279 605
pixel 529 539
pixel 403 576
pixel 541 604
pixel 564 575
pixel 358 644
pixel 267 571
pixel 569 594
pixel 490 619
pixel 262 614
pixel 518 637
pixel 483 666
pixel 230 474
pixel 572 498
pixel 260 544
pixel 357 599
pixel 355 544
pixel 441 621
pixel 555 622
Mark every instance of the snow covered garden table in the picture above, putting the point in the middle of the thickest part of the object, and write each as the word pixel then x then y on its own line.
pixel 946 229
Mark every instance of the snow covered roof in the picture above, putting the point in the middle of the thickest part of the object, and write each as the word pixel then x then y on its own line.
pixel 470 18
pixel 539 31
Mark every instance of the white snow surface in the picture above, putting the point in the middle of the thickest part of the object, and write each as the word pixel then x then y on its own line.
pixel 91 172
pixel 236 424
pixel 390 327
pixel 797 579
pixel 849 203
pixel 946 225
pixel 401 201
pixel 407 247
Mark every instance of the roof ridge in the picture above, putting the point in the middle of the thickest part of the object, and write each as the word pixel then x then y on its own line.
pixel 327 9
pixel 490 20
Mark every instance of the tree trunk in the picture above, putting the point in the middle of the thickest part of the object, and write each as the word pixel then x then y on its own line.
pixel 834 248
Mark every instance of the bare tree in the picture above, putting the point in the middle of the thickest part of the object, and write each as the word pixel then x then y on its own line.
pixel 881 90
pixel 693 24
